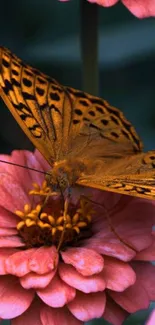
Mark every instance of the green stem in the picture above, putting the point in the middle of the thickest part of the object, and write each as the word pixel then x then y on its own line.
pixel 89 46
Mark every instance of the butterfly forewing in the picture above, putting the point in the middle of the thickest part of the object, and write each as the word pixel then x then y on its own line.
pixel 37 103
pixel 65 123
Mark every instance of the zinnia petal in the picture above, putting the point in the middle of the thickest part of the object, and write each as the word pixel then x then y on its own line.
pixel 43 260
pixel 57 316
pixel 14 300
pixel 132 299
pixel 34 280
pixel 4 254
pixel 7 219
pixel 88 306
pixel 12 193
pixel 18 263
pixel 105 3
pixel 147 254
pixel 139 8
pixel 31 316
pixel 151 320
pixel 113 313
pixel 86 261
pixel 145 273
pixel 85 284
pixel 111 246
pixel 118 275
pixel 11 241
pixel 57 293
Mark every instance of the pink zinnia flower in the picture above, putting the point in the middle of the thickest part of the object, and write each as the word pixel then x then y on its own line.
pixel 139 8
pixel 151 320
pixel 101 266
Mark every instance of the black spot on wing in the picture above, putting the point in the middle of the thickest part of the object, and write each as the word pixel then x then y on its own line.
pixel 8 86
pixel 115 135
pixel 16 64
pixel 114 119
pixel 15 82
pixel 15 72
pixel 56 88
pixel 54 96
pixel 40 91
pixel 92 113
pixel 97 101
pixel 28 96
pixel 28 73
pixel 104 122
pixel 78 111
pixel 41 81
pixel 5 63
pixel 76 121
pixel 53 107
pixel 99 109
pixel 27 82
pixel 83 102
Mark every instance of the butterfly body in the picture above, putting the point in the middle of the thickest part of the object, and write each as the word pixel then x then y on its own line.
pixel 85 140
pixel 65 173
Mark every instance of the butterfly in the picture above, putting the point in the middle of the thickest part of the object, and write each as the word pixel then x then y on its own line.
pixel 85 140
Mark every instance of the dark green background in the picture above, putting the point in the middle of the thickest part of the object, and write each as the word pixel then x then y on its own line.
pixel 46 34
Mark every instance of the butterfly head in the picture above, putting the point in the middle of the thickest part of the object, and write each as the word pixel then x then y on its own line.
pixel 65 174
pixel 58 180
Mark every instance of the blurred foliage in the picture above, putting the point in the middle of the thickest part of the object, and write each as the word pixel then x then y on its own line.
pixel 46 35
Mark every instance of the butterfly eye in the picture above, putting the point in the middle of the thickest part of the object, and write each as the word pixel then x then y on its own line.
pixel 63 181
pixel 58 181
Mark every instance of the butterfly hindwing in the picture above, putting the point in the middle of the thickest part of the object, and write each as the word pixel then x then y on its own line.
pixel 132 175
pixel 99 128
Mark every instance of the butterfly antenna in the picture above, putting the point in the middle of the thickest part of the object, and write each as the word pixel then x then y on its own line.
pixel 26 167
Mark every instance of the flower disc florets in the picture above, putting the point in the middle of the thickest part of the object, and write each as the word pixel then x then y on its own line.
pixel 44 225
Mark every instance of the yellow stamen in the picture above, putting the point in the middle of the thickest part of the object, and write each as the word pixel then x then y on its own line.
pixel 76 229
pixel 75 218
pixel 36 186
pixel 20 225
pixel 51 220
pixel 32 215
pixel 27 208
pixel 38 208
pixel 68 226
pixel 60 228
pixel 81 224
pixel 42 190
pixel 52 229
pixel 30 223
pixel 43 225
pixel 20 214
pixel 60 220
pixel 43 215
pixel 88 217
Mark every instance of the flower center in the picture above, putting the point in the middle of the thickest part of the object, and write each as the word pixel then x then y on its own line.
pixel 48 224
